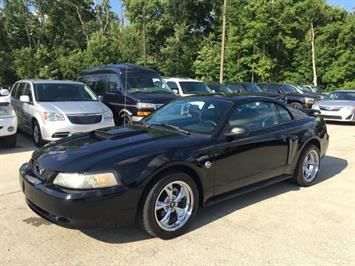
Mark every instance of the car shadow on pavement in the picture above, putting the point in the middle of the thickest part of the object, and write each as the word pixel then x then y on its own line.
pixel 24 144
pixel 330 167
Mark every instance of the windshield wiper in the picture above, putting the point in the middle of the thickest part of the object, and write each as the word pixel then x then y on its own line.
pixel 171 127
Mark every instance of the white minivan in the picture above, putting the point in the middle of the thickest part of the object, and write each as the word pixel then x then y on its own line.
pixel 8 121
pixel 53 109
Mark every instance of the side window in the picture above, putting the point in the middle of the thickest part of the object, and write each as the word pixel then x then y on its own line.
pixel 273 88
pixel 172 85
pixel 14 90
pixel 101 84
pixel 27 91
pixel 19 90
pixel 284 115
pixel 113 83
pixel 254 116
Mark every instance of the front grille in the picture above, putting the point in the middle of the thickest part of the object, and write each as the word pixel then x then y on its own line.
pixel 85 119
pixel 332 117
pixel 326 108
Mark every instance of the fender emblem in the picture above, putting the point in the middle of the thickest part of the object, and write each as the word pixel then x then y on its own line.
pixel 208 164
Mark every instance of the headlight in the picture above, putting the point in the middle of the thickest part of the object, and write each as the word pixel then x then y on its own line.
pixel 308 100
pixel 108 115
pixel 349 108
pixel 6 110
pixel 146 106
pixel 85 181
pixel 53 116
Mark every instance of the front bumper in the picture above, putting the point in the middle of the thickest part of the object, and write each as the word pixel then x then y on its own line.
pixel 8 125
pixel 52 131
pixel 342 116
pixel 79 209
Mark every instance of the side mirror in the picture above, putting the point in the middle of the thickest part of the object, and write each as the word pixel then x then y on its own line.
pixel 4 92
pixel 236 132
pixel 175 91
pixel 25 98
pixel 100 97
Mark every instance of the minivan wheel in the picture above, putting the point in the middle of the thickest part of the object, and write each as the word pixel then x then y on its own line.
pixel 36 134
pixel 307 167
pixel 9 141
pixel 170 206
pixel 296 105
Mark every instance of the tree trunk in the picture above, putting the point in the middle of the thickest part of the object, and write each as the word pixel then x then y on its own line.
pixel 221 69
pixel 312 35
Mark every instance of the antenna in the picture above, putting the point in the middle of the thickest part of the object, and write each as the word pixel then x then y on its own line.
pixel 125 95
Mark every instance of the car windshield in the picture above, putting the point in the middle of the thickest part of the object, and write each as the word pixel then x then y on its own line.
pixel 342 96
pixel 192 115
pixel 63 92
pixel 291 89
pixel 252 87
pixel 193 87
pixel 144 81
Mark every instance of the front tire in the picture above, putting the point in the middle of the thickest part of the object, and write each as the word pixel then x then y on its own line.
pixel 307 167
pixel 126 120
pixel 37 135
pixel 9 141
pixel 170 206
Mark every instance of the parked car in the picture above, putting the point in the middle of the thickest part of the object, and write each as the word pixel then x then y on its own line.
pixel 130 91
pixel 8 121
pixel 192 152
pixel 337 106
pixel 219 88
pixel 53 109
pixel 294 97
pixel 187 87
pixel 307 90
pixel 253 89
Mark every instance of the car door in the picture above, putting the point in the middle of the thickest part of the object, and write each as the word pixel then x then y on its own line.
pixel 256 156
pixel 27 108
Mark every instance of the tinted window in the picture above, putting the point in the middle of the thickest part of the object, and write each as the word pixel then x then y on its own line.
pixel 284 115
pixel 194 115
pixel 271 88
pixel 290 89
pixel 19 90
pixel 236 88
pixel 63 92
pixel 14 90
pixel 250 87
pixel 172 85
pixel 144 81
pixel 191 87
pixel 26 90
pixel 113 83
pixel 254 116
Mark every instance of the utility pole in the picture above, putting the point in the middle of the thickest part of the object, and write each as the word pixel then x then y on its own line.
pixel 312 35
pixel 221 69
pixel 143 17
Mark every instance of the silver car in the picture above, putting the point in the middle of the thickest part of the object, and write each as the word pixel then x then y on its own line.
pixel 51 110
pixel 337 106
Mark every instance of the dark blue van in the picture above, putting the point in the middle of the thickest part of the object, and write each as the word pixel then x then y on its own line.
pixel 130 91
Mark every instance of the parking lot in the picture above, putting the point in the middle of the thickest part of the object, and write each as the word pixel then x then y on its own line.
pixel 279 224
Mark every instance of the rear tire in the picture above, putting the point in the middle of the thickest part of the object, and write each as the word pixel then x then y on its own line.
pixel 307 167
pixel 37 135
pixel 126 120
pixel 169 206
pixel 9 141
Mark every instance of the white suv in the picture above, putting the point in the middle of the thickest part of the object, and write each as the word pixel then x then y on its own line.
pixel 8 121
pixel 52 109
pixel 187 87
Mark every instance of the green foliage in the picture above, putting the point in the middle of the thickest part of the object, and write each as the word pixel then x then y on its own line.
pixel 266 41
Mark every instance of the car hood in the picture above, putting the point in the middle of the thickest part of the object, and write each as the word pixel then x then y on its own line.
pixel 153 97
pixel 110 146
pixel 335 103
pixel 90 107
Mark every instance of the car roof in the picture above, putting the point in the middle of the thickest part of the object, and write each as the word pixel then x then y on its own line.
pixel 118 68
pixel 232 98
pixel 181 79
pixel 50 81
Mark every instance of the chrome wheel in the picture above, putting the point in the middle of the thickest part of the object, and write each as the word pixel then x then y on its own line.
pixel 174 206
pixel 311 165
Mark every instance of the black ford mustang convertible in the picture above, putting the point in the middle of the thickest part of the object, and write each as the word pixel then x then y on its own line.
pixel 192 152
